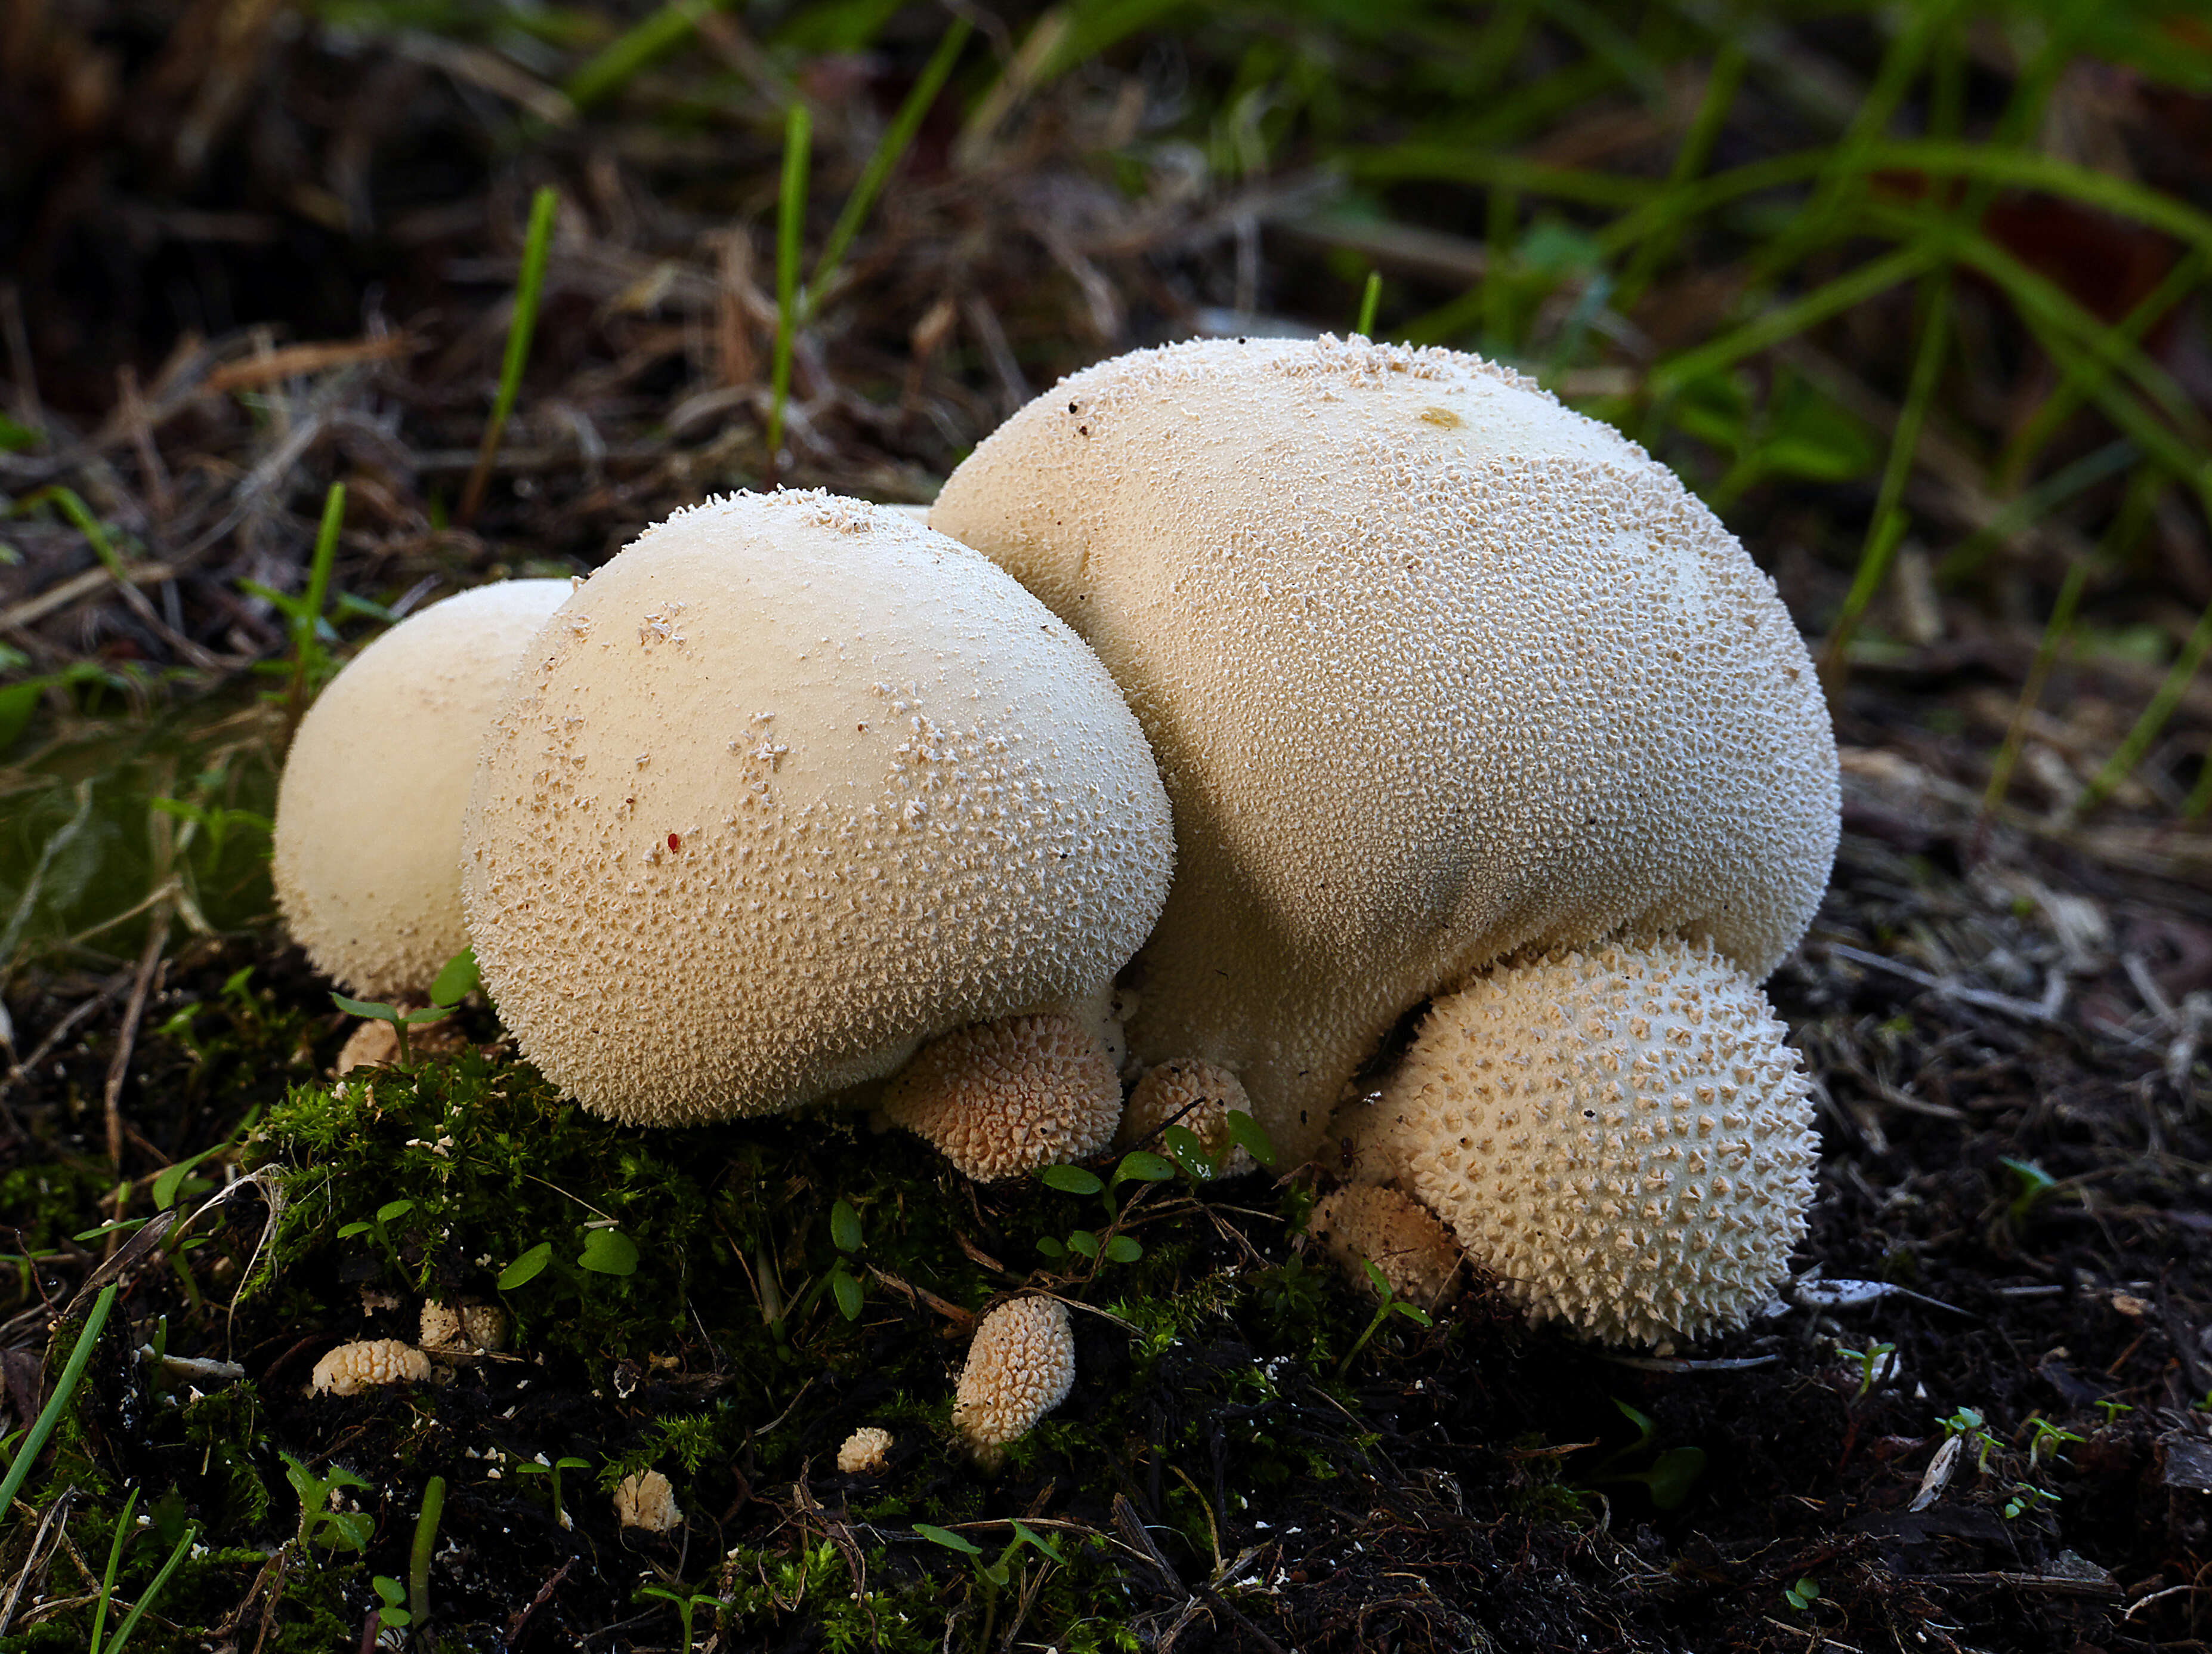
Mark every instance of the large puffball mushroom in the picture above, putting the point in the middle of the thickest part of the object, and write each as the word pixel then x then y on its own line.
pixel 1619 1136
pixel 789 787
pixel 1437 671
pixel 1000 1098
pixel 368 861
pixel 1020 1367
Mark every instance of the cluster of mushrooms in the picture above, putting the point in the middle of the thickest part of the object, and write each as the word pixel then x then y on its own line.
pixel 1238 699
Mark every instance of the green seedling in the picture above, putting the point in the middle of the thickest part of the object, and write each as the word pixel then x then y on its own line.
pixel 686 1602
pixel 1391 1304
pixel 390 1212
pixel 991 1576
pixel 1870 1366
pixel 171 1180
pixel 2049 1436
pixel 528 291
pixel 348 1531
pixel 1968 1422
pixel 2032 1186
pixel 2112 1409
pixel 551 1470
pixel 1802 1594
pixel 844 1230
pixel 2027 1498
pixel 1139 1166
pixel 456 979
pixel 1669 1477
pixel 392 1595
pixel 34 1440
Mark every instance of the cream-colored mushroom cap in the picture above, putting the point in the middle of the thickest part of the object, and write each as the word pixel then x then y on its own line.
pixel 367 859
pixel 789 787
pixel 1437 671
pixel 866 1452
pixel 1198 1096
pixel 646 1501
pixel 1620 1137
pixel 1365 1224
pixel 1020 1367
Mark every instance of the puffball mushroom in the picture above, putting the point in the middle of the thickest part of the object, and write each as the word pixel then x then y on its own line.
pixel 1437 671
pixel 1365 1224
pixel 1196 1095
pixel 1619 1136
pixel 789 787
pixel 866 1452
pixel 1000 1098
pixel 1020 1367
pixel 367 859
pixel 646 1501
pixel 351 1368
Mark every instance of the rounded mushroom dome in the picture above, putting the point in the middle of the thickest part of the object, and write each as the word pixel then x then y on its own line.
pixel 1620 1137
pixel 1020 1367
pixel 1437 671
pixel 367 859
pixel 790 786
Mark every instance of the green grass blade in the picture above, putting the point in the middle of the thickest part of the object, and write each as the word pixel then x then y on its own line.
pixel 637 50
pixel 898 138
pixel 1721 85
pixel 306 644
pixel 1368 301
pixel 122 1536
pixel 425 1545
pixel 529 289
pixel 51 1415
pixel 146 1596
pixel 790 223
pixel 2037 502
pixel 2152 723
pixel 82 519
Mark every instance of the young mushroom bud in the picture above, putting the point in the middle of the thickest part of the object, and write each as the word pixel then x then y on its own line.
pixel 354 1367
pixel 1198 1096
pixel 791 786
pixel 1020 1367
pixel 1000 1099
pixel 1420 1259
pixel 646 1502
pixel 1437 671
pixel 367 859
pixel 866 1452
pixel 1620 1136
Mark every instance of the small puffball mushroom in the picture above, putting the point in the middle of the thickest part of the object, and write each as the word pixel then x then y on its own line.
pixel 1000 1099
pixel 1418 1256
pixel 1620 1137
pixel 472 1327
pixel 352 1367
pixel 866 1452
pixel 374 1043
pixel 645 1500
pixel 1020 1367
pixel 789 787
pixel 367 858
pixel 1437 671
pixel 1196 1095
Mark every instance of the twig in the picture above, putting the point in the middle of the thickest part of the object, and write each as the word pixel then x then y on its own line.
pixel 126 1038
pixel 31 1558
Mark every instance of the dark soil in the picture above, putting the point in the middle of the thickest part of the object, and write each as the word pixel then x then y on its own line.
pixel 2004 1009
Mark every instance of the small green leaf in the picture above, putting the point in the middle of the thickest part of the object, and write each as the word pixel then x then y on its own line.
pixel 1069 1180
pixel 1051 1248
pixel 1141 1165
pixel 950 1540
pixel 1645 1429
pixel 349 1231
pixel 609 1252
pixel 1085 1242
pixel 846 1291
pixel 393 1211
pixel 374 1009
pixel 390 1590
pixel 527 1267
pixel 457 978
pixel 1188 1149
pixel 996 1573
pixel 1412 1312
pixel 1123 1249
pixel 1381 1281
pixel 845 1227
pixel 1253 1136
pixel 428 1013
pixel 1022 1531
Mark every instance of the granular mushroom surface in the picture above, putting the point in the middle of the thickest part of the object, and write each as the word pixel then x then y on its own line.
pixel 789 787
pixel 1366 1224
pixel 1003 1097
pixel 866 1452
pixel 1020 1367
pixel 1437 671
pixel 1620 1136
pixel 1198 1096
pixel 353 1367
pixel 644 1500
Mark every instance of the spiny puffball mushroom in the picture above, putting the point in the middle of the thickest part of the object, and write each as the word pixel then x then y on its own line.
pixel 1367 1223
pixel 470 1328
pixel 1436 670
pixel 368 861
pixel 790 786
pixel 353 1367
pixel 1620 1136
pixel 1000 1098
pixel 644 1500
pixel 1196 1095
pixel 866 1452
pixel 1020 1367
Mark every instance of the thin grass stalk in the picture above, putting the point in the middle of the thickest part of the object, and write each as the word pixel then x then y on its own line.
pixel 1887 531
pixel 2037 502
pixel 82 519
pixel 635 50
pixel 425 1545
pixel 1504 217
pixel 790 222
pixel 26 1454
pixel 2147 727
pixel 890 150
pixel 529 289
pixel 146 1596
pixel 1721 83
pixel 307 624
pixel 123 1531
pixel 1368 300
pixel 2200 792
pixel 2134 516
